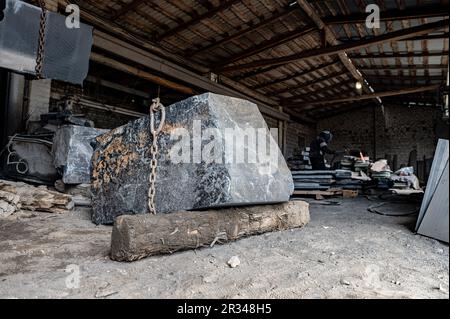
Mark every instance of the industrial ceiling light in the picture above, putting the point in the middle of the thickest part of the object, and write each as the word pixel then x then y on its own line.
pixel 358 86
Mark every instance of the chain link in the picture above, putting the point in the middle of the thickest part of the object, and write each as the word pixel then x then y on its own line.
pixel 154 150
pixel 41 45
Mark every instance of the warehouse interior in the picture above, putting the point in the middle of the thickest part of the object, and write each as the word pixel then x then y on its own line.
pixel 380 86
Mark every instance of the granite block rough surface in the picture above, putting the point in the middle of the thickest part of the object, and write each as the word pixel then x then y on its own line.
pixel 198 167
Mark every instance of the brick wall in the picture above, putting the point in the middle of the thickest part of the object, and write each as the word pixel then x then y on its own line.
pixel 398 131
pixel 401 130
pixel 298 136
pixel 353 129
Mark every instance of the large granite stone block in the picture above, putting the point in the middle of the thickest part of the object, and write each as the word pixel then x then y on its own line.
pixel 215 151
pixel 72 152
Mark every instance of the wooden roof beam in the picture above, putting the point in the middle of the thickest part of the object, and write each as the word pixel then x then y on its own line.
pixel 414 99
pixel 396 55
pixel 208 14
pixel 406 77
pixel 428 11
pixel 306 99
pixel 295 75
pixel 268 44
pixel 438 36
pixel 331 39
pixel 170 64
pixel 127 8
pixel 305 96
pixel 404 67
pixel 368 96
pixel 138 72
pixel 323 113
pixel 310 83
pixel 251 28
pixel 252 73
pixel 341 48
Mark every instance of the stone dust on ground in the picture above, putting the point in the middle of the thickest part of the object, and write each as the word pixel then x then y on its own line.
pixel 345 252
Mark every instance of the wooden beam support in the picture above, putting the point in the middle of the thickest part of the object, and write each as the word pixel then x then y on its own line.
pixel 341 48
pixel 331 39
pixel 119 32
pixel 308 98
pixel 251 28
pixel 266 45
pixel 309 83
pixel 226 86
pixel 208 14
pixel 437 36
pixel 369 96
pixel 391 87
pixel 112 63
pixel 403 67
pixel 51 5
pixel 155 57
pixel 427 99
pixel 127 8
pixel 406 77
pixel 427 37
pixel 396 55
pixel 326 87
pixel 295 75
pixel 253 73
pixel 429 11
pixel 116 86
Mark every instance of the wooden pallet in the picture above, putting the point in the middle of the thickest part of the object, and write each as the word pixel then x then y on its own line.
pixel 329 193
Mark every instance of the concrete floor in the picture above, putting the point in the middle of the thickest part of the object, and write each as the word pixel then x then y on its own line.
pixel 345 252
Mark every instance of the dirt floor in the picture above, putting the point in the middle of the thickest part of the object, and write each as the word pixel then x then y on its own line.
pixel 345 252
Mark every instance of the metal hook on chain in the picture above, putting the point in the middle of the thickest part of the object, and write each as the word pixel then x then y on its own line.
pixel 155 107
pixel 154 150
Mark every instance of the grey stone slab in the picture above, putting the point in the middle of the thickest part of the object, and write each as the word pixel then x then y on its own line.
pixel 121 162
pixel 435 221
pixel 72 152
pixel 311 172
pixel 441 157
pixel 67 50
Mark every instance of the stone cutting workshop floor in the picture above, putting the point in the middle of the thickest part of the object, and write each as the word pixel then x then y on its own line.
pixel 345 252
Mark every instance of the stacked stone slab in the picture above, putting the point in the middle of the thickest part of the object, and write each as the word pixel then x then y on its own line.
pixel 121 161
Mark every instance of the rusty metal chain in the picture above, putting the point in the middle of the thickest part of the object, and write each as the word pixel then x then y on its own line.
pixel 154 149
pixel 41 44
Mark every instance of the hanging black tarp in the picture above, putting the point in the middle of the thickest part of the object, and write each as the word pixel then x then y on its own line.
pixel 67 50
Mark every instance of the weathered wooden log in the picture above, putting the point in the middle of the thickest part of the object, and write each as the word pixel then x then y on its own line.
pixel 139 236
pixel 28 197
pixel 9 204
